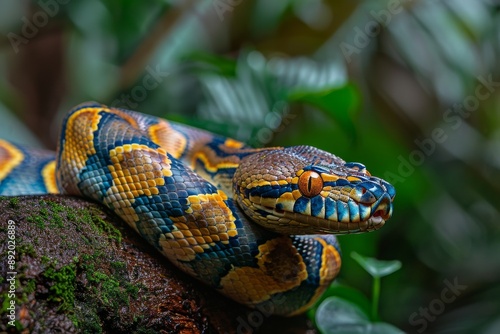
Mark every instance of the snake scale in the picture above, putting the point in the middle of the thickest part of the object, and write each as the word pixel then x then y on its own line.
pixel 257 225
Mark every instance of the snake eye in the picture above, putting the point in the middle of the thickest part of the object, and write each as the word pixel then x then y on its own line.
pixel 310 183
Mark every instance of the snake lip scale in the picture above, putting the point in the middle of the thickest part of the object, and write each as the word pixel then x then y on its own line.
pixel 374 222
pixel 255 224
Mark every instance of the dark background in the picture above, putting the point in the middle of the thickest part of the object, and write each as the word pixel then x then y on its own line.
pixel 409 88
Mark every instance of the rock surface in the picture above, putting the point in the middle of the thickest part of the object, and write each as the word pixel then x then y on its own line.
pixel 79 269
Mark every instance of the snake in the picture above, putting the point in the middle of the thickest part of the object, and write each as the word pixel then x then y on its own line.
pixel 258 225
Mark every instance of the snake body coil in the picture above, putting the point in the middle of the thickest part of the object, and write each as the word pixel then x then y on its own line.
pixel 198 197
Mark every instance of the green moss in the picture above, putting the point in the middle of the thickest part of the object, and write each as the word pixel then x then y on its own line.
pixel 102 226
pixel 109 289
pixel 63 285
pixel 5 304
pixel 113 289
pixel 53 215
pixel 14 202
pixel 118 265
pixel 56 221
pixel 69 244
pixel 57 214
pixel 145 331
pixel 71 216
pixel 40 217
pixel 30 286
pixel 27 249
pixel 56 207
pixel 20 297
pixel 45 259
pixel 37 220
pixel 81 217
pixel 132 291
pixel 50 214
pixel 88 322
pixel 43 212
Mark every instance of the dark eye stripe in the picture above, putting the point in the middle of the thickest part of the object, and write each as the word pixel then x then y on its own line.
pixel 268 191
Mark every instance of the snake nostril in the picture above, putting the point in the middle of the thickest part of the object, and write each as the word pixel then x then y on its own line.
pixel 364 195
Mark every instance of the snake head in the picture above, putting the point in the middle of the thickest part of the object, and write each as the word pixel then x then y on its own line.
pixel 304 190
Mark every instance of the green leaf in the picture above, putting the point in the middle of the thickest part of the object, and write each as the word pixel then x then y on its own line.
pixel 336 315
pixel 337 311
pixel 376 268
pixel 341 103
pixel 345 292
pixel 212 63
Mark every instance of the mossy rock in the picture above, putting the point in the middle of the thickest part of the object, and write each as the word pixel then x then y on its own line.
pixel 79 269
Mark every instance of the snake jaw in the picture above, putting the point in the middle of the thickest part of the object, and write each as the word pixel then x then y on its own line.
pixel 350 216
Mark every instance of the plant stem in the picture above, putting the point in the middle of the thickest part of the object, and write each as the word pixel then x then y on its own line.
pixel 375 297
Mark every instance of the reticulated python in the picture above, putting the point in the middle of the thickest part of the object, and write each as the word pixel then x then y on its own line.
pixel 255 224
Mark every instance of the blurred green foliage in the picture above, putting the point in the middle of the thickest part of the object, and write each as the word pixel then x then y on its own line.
pixel 409 88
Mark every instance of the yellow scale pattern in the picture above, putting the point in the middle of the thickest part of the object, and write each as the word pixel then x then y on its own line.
pixel 49 177
pixel 207 220
pixel 281 268
pixel 136 171
pixel 10 158
pixel 165 136
pixel 330 267
pixel 78 146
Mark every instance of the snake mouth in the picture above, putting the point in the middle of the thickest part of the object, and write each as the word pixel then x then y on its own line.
pixel 382 209
pixel 359 218
pixel 372 224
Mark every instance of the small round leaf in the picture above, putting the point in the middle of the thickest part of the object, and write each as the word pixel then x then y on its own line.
pixel 338 316
pixel 376 268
